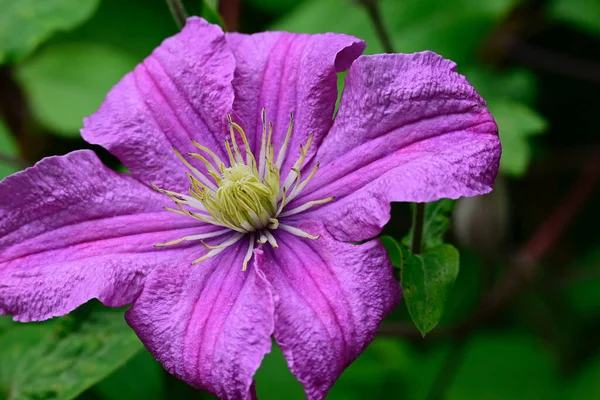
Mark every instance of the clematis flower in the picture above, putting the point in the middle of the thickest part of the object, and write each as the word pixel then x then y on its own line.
pixel 234 134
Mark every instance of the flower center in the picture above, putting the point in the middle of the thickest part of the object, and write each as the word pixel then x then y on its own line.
pixel 243 199
pixel 247 198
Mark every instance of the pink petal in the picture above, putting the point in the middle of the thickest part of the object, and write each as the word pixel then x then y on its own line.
pixel 72 230
pixel 289 73
pixel 210 324
pixel 330 298
pixel 409 128
pixel 182 91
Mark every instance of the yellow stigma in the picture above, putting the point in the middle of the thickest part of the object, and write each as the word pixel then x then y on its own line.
pixel 247 198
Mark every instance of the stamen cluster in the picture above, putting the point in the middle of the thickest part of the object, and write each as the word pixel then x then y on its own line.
pixel 247 198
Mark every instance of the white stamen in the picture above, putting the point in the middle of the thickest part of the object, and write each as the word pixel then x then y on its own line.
pixel 195 171
pixel 248 255
pixel 217 249
pixel 262 239
pixel 193 237
pixel 302 185
pixel 271 239
pixel 283 150
pixel 297 232
pixel 263 145
pixel 216 159
pixel 305 207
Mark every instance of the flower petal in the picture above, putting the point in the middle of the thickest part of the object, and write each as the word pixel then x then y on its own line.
pixel 330 298
pixel 289 73
pixel 210 324
pixel 72 230
pixel 409 128
pixel 182 91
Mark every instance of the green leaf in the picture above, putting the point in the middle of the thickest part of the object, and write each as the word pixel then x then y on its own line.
pixel 426 282
pixel 24 24
pixel 209 13
pixel 66 83
pixel 581 13
pixel 380 369
pixel 144 23
pixel 5 323
pixel 504 367
pixel 586 384
pixel 125 382
pixel 516 124
pixel 274 7
pixel 468 288
pixel 515 84
pixel 274 379
pixel 453 29
pixel 9 148
pixel 393 250
pixel 59 359
pixel 435 224
pixel 425 370
pixel 314 16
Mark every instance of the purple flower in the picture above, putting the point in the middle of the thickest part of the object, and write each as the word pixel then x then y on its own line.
pixel 252 243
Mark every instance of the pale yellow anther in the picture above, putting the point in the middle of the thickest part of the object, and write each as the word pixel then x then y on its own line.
pixel 217 160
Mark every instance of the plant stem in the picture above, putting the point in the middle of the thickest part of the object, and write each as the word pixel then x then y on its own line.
pixel 230 12
pixel 372 7
pixel 178 12
pixel 418 221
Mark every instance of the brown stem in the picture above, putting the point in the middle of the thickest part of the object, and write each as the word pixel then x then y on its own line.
pixel 13 105
pixel 230 12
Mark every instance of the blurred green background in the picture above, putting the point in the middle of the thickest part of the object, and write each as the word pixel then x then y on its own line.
pixel 523 319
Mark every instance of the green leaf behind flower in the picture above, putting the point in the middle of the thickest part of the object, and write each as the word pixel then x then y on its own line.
pixel 210 13
pixel 125 382
pixel 453 29
pixel 61 358
pixel 427 279
pixel 67 82
pixel 24 24
pixel 584 14
pixel 380 370
pixel 393 250
pixel 517 123
pixel 504 367
pixel 586 383
pixel 9 148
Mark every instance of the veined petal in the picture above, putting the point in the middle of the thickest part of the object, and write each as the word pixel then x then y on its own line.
pixel 209 324
pixel 409 128
pixel 289 73
pixel 72 230
pixel 182 91
pixel 330 298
